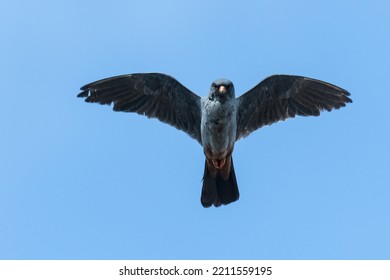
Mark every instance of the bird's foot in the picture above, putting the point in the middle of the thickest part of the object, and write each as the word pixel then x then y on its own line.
pixel 219 163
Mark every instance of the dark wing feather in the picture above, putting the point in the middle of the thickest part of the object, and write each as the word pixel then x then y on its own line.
pixel 282 96
pixel 152 94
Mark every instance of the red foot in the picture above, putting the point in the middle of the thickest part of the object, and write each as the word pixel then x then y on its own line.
pixel 219 163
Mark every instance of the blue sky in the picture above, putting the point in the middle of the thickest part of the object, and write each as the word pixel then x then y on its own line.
pixel 79 181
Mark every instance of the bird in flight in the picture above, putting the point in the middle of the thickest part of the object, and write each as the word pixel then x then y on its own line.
pixel 220 119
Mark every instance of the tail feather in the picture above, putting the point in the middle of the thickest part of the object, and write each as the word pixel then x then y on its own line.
pixel 217 191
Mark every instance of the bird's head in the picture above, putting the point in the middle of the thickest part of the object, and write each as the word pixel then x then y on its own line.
pixel 222 89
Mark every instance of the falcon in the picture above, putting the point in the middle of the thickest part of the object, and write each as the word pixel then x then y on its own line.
pixel 220 119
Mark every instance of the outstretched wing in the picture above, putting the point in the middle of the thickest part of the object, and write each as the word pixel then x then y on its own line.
pixel 282 96
pixel 154 95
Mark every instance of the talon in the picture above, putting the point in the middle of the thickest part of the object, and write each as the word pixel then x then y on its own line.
pixel 219 163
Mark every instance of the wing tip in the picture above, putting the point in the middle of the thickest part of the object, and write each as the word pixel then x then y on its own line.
pixel 347 99
pixel 84 93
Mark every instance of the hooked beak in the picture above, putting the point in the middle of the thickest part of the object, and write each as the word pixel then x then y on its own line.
pixel 222 89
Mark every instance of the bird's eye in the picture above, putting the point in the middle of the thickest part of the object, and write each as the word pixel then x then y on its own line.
pixel 214 85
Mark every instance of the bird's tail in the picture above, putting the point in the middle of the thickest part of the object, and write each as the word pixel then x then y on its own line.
pixel 217 191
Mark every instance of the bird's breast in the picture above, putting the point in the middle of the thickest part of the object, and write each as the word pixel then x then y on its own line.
pixel 218 125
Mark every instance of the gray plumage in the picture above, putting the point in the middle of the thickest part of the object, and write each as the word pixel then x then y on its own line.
pixel 281 96
pixel 154 95
pixel 220 119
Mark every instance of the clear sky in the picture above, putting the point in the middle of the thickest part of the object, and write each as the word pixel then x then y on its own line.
pixel 79 181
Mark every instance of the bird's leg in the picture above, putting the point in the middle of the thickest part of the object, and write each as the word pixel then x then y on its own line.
pixel 219 162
